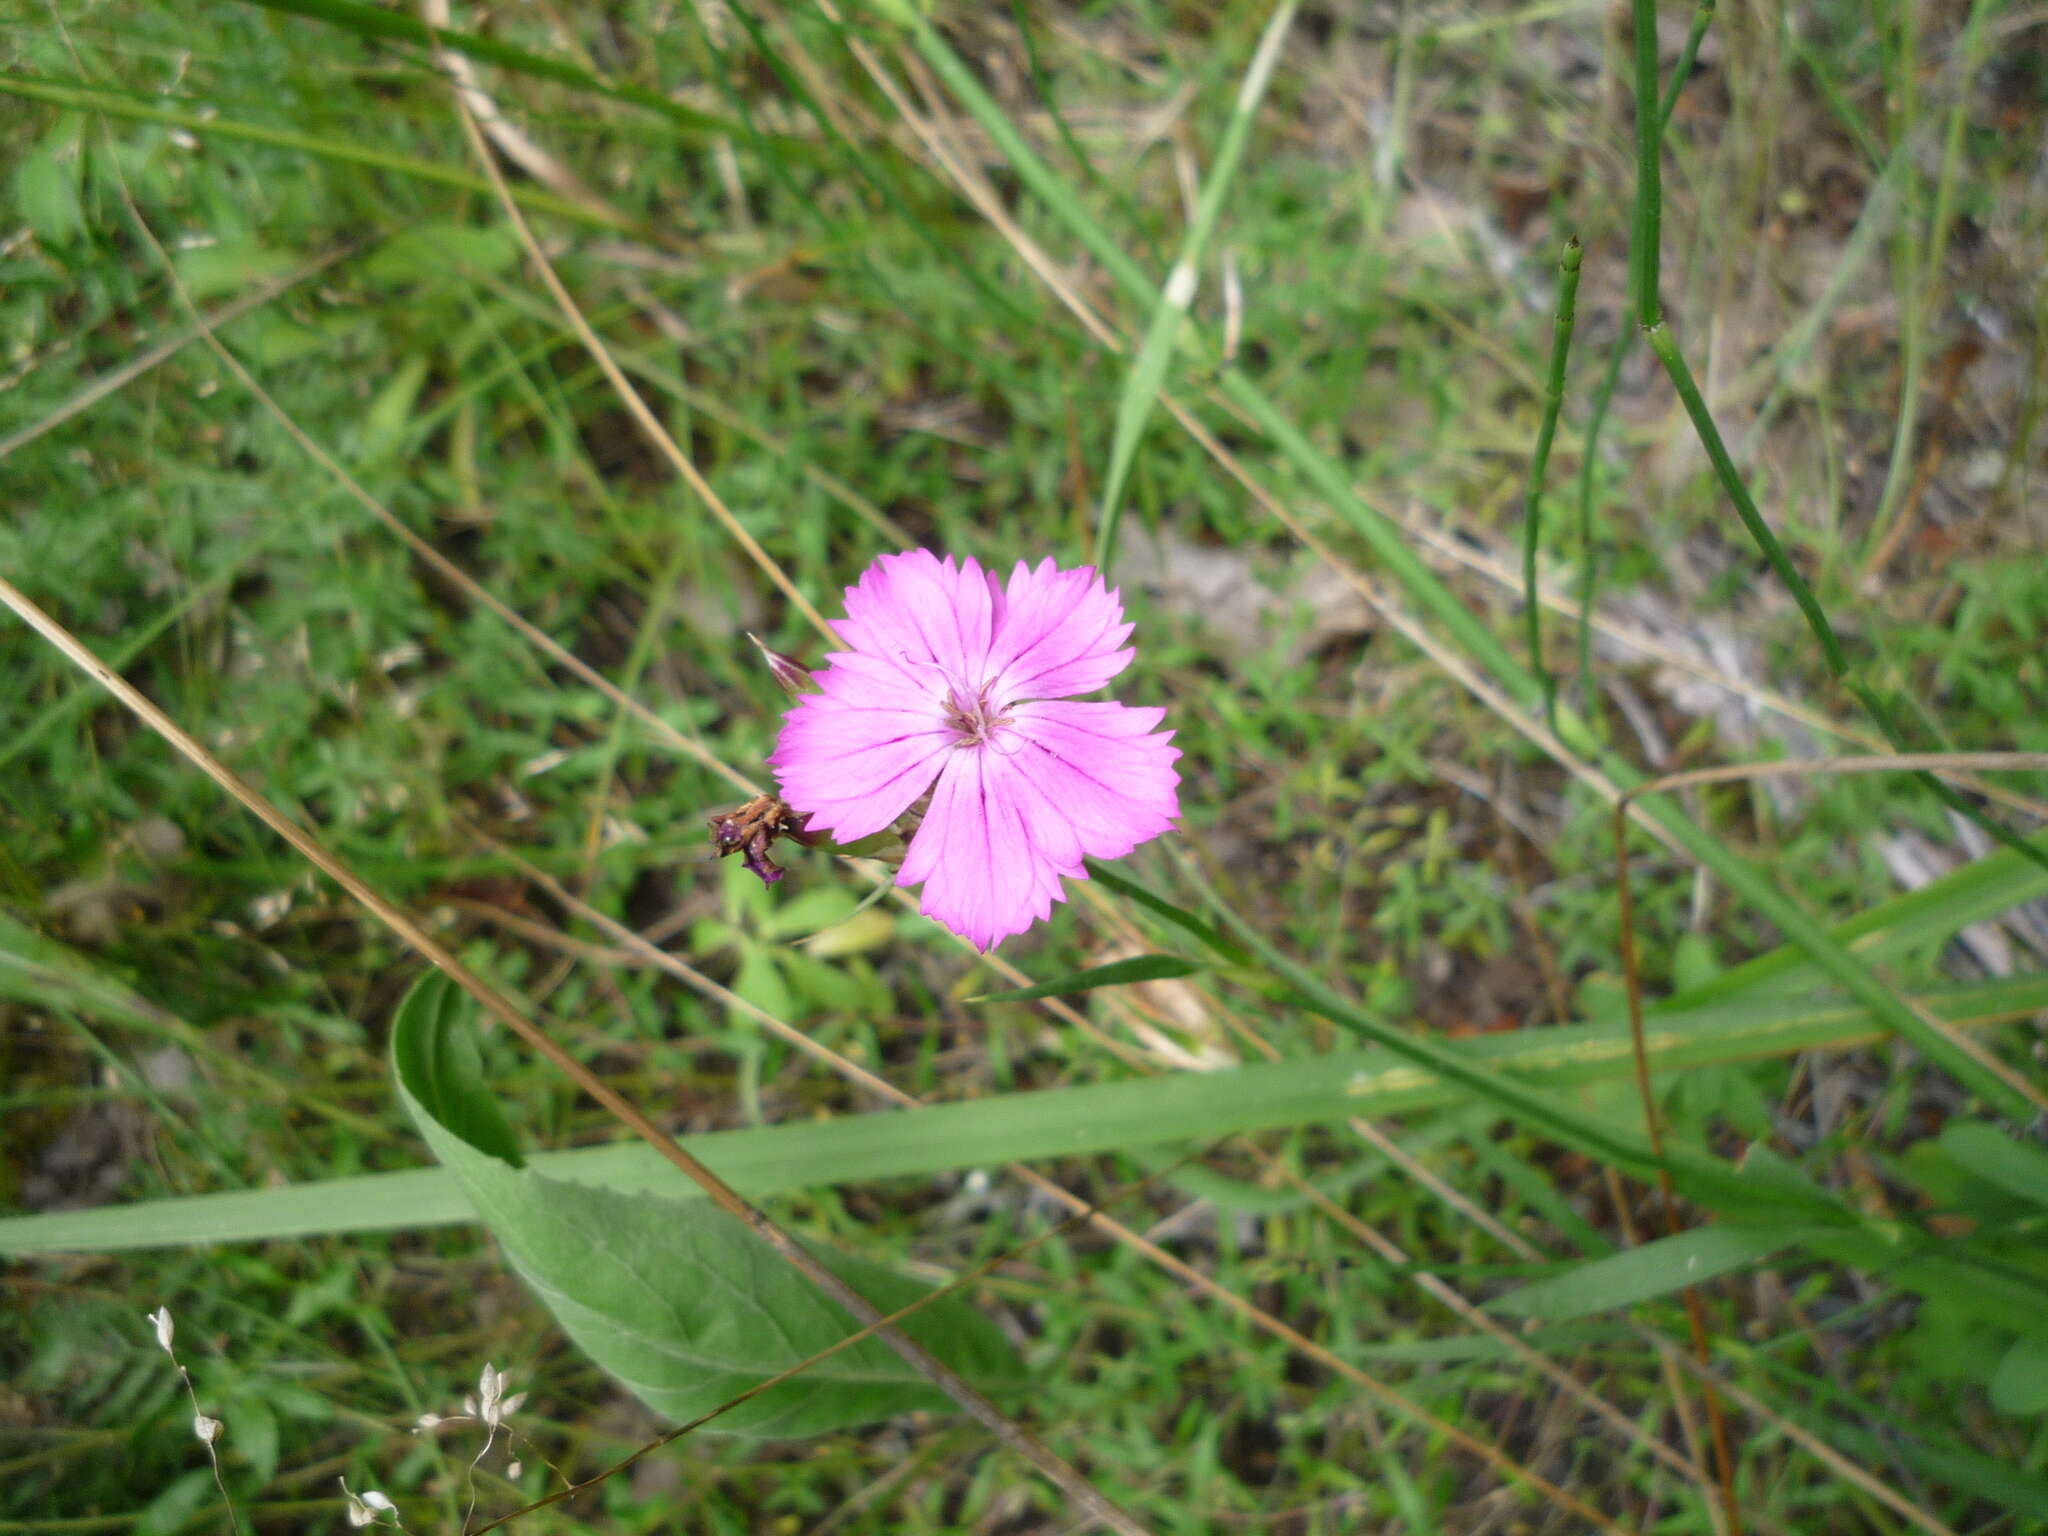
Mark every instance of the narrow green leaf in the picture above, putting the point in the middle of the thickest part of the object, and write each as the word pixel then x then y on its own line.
pixel 1638 1274
pixel 1998 1159
pixel 1205 933
pixel 1539 463
pixel 46 974
pixel 380 24
pixel 1116 974
pixel 1889 930
pixel 680 1302
pixel 1155 353
pixel 1068 1122
pixel 85 98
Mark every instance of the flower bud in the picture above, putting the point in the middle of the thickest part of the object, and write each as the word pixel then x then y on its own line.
pixel 795 681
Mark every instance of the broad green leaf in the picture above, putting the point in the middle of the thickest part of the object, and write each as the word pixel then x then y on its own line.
pixel 440 1071
pixel 1638 1274
pixel 1125 1116
pixel 680 1302
pixel 1117 973
pixel 1997 1159
pixel 2020 1384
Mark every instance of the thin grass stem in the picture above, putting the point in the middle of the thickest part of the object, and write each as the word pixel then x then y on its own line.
pixel 1589 547
pixel 1539 466
pixel 1649 313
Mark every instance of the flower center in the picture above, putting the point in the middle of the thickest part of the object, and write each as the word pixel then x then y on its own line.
pixel 976 721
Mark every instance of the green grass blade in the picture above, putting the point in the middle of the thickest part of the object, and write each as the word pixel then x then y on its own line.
pixel 83 98
pixel 1539 464
pixel 1649 313
pixel 1203 932
pixel 1662 343
pixel 377 23
pixel 1890 930
pixel 1589 550
pixel 1117 973
pixel 1423 586
pixel 1068 1122
pixel 1155 353
pixel 1640 1274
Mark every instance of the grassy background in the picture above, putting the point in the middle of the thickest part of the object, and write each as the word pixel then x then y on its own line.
pixel 857 360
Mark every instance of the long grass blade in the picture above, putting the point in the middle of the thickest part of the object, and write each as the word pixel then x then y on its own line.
pixel 1539 467
pixel 83 98
pixel 1019 1127
pixel 1155 352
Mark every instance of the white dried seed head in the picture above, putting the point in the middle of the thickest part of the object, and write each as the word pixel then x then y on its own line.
pixel 207 1430
pixel 364 1508
pixel 492 1406
pixel 160 1319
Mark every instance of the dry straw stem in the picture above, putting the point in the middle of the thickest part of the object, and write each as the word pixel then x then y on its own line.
pixel 637 407
pixel 1085 1496
pixel 853 1072
pixel 518 147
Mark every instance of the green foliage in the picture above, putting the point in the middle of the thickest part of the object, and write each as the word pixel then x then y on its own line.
pixel 194 1032
pixel 680 1302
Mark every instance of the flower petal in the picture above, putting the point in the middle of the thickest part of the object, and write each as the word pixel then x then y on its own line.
pixel 1008 820
pixel 1057 633
pixel 930 619
pixel 1098 769
pixel 852 762
pixel 983 876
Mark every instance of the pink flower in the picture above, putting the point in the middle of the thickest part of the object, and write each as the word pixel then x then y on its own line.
pixel 955 682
